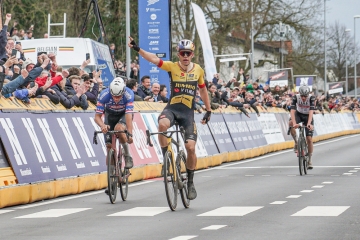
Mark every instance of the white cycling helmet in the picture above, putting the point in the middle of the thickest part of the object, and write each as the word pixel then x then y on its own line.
pixel 304 90
pixel 117 87
pixel 185 44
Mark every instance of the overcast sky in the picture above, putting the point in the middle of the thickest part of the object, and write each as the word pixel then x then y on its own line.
pixel 344 12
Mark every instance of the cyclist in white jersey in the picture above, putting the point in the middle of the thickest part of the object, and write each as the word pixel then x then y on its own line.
pixel 302 110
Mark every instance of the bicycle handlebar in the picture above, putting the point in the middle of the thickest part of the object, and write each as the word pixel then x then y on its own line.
pixel 148 134
pixel 111 132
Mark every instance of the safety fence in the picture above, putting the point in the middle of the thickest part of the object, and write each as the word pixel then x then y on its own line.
pixel 51 154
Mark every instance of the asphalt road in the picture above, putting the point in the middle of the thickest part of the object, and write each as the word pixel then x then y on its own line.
pixel 260 198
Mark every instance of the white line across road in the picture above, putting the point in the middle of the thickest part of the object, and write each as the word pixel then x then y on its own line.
pixel 227 166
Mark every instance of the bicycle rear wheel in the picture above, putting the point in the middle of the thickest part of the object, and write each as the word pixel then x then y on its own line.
pixel 111 176
pixel 305 163
pixel 300 156
pixel 124 176
pixel 170 181
pixel 181 158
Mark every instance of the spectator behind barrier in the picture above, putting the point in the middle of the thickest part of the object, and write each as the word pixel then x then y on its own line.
pixel 133 85
pixel 144 90
pixel 69 101
pixel 163 93
pixel 93 94
pixel 155 93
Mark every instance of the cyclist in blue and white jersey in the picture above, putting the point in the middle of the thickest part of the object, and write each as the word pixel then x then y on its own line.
pixel 302 110
pixel 117 103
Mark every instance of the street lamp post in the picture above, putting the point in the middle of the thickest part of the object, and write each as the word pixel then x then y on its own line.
pixel 346 61
pixel 252 41
pixel 355 75
pixel 325 70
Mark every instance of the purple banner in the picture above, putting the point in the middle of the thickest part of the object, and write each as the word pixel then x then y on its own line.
pixel 51 146
pixel 221 134
pixel 3 162
pixel 204 132
pixel 236 132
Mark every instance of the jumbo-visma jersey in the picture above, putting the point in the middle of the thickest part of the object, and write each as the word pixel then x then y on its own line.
pixel 183 84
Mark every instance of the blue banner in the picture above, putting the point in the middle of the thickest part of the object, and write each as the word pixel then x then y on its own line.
pixel 232 121
pixel 154 37
pixel 255 129
pixel 304 80
pixel 221 133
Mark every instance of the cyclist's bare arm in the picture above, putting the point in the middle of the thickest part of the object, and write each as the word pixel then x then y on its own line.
pixel 100 122
pixel 129 120
pixel 205 97
pixel 310 118
pixel 151 57
pixel 292 114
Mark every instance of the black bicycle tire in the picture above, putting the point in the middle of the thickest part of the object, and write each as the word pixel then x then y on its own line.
pixel 111 176
pixel 170 186
pixel 124 183
pixel 305 158
pixel 300 157
pixel 184 190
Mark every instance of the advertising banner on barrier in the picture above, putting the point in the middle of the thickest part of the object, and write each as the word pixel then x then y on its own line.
pixel 232 121
pixel 152 126
pixel 154 37
pixel 271 128
pixel 254 127
pixel 3 162
pixel 283 120
pixel 353 121
pixel 57 146
pixel 221 134
pixel 140 151
pixel 204 132
pixel 336 88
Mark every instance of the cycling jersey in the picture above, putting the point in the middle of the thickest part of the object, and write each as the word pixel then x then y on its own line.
pixel 183 84
pixel 303 107
pixel 106 103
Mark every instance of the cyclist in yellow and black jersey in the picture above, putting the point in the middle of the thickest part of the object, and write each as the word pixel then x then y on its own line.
pixel 185 77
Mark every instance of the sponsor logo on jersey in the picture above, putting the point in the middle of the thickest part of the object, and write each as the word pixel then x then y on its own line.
pixel 176 90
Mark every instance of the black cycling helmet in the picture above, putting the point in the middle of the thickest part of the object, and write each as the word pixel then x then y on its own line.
pixel 304 91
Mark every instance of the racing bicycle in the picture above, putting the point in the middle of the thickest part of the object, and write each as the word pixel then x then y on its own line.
pixel 302 151
pixel 117 174
pixel 174 180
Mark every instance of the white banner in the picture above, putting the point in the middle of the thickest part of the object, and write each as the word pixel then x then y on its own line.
pixel 203 32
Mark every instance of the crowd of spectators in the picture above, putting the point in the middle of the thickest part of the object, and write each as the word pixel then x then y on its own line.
pixel 24 79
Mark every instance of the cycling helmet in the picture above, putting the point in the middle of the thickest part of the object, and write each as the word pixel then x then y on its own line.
pixel 185 44
pixel 117 87
pixel 304 91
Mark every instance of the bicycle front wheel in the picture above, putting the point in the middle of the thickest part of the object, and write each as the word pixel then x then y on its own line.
pixel 305 163
pixel 300 156
pixel 183 178
pixel 124 174
pixel 111 176
pixel 170 181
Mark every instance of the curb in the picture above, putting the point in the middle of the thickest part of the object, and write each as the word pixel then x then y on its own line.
pixel 27 193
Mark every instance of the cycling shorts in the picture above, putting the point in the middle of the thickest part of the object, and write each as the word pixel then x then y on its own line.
pixel 184 116
pixel 299 117
pixel 112 120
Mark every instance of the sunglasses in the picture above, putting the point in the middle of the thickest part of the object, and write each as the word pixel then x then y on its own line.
pixel 185 53
pixel 303 95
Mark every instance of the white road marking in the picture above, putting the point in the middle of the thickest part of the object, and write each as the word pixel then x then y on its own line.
pixel 317 186
pixel 140 212
pixel 321 211
pixel 306 191
pixel 5 211
pixel 278 202
pixel 249 175
pixel 352 171
pixel 293 196
pixel 230 212
pixel 76 196
pixel 53 213
pixel 357 168
pixel 184 237
pixel 327 182
pixel 347 173
pixel 213 227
